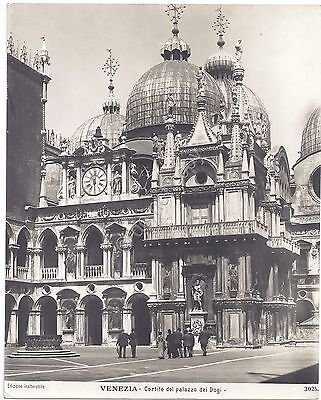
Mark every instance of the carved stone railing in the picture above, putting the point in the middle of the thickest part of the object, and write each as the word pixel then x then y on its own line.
pixel 43 342
pixel 8 271
pixel 93 271
pixel 22 272
pixel 206 230
pixel 49 273
pixel 282 242
pixel 141 270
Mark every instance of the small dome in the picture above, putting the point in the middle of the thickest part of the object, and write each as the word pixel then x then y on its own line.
pixel 311 137
pixel 146 104
pixel 110 124
pixel 220 64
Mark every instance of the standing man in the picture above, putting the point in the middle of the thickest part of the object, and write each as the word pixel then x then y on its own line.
pixel 171 347
pixel 122 342
pixel 188 342
pixel 178 341
pixel 133 342
pixel 203 339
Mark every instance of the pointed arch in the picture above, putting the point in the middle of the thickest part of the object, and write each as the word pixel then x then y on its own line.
pixel 43 234
pixel 90 228
pixel 10 234
pixel 93 238
pixel 24 230
pixel 23 239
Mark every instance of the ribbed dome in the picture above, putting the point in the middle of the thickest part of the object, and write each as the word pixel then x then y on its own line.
pixel 220 64
pixel 146 104
pixel 111 125
pixel 311 137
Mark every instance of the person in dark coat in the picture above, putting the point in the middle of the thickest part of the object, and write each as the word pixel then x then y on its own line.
pixel 178 341
pixel 121 343
pixel 188 343
pixel 171 345
pixel 133 342
pixel 203 339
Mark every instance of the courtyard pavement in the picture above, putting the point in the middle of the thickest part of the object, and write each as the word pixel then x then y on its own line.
pixel 275 364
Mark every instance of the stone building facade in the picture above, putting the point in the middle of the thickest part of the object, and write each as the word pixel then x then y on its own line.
pixel 183 221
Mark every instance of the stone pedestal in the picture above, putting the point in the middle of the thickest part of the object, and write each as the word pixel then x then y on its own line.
pixel 198 320
pixel 68 337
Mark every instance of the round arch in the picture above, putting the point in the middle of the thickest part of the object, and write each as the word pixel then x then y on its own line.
pixel 93 307
pixel 197 166
pixel 24 307
pixel 48 315
pixel 140 317
pixel 10 305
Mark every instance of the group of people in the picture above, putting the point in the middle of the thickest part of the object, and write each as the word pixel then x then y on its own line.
pixel 180 344
pixel 176 343
pixel 123 341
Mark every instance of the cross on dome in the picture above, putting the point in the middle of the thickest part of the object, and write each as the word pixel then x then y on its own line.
pixel 174 12
pixel 110 68
pixel 220 26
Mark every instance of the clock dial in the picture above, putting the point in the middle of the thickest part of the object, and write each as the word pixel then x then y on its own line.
pixel 94 181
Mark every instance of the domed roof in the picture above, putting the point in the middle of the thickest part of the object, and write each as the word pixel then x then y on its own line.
pixel 146 104
pixel 220 64
pixel 110 124
pixel 311 137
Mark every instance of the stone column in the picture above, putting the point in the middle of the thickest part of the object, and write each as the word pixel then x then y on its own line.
pixel 155 328
pixel 248 272
pixel 37 264
pixel 219 276
pixel 252 207
pixel 78 181
pixel 224 276
pixel 61 274
pixel 242 276
pixel 13 328
pixel 64 183
pixel 180 286
pixel 30 263
pixel 127 324
pixel 105 333
pixel 60 321
pixel 34 322
pixel 106 247
pixel 154 278
pixel 221 205
pixel 245 205
pixel 178 218
pixel 80 327
pixel 126 246
pixel 270 288
pixel 80 261
pixel 276 291
pixel 13 260
pixel 123 176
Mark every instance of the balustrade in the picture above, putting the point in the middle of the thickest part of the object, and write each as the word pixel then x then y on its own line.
pixel 206 230
pixel 93 271
pixel 49 273
pixel 283 243
pixel 22 272
pixel 141 270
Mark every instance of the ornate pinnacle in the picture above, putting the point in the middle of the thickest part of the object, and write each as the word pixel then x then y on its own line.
pixel 110 68
pixel 10 45
pixel 174 12
pixel 220 26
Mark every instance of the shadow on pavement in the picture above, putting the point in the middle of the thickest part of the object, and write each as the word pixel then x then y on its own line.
pixel 304 375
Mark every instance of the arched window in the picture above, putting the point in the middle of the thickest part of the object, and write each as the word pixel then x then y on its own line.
pixel 7 249
pixel 94 252
pixel 50 256
pixel 22 251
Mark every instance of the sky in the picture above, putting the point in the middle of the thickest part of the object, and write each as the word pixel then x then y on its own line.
pixel 281 55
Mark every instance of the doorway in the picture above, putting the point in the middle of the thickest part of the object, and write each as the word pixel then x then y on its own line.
pixel 141 320
pixel 93 321
pixel 25 306
pixel 48 316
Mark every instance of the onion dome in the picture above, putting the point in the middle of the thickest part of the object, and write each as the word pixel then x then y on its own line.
pixel 175 77
pixel 311 137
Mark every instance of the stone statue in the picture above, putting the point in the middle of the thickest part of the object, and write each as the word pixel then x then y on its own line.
pixel 198 296
pixel 71 187
pixel 117 182
pixel 70 318
pixel 233 280
pixel 114 314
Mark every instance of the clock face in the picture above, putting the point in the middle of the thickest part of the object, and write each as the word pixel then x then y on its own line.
pixel 94 181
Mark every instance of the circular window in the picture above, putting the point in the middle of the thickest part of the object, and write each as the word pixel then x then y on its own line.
pixel 201 178
pixel 302 294
pixel 139 286
pixel 91 288
pixel 315 181
pixel 46 289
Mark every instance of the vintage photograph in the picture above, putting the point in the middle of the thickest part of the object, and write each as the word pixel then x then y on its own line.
pixel 162 201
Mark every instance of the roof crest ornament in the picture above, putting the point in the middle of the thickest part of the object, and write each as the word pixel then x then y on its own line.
pixel 110 68
pixel 174 12
pixel 220 26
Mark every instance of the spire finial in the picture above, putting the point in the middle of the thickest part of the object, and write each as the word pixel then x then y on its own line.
pixel 220 26
pixel 174 12
pixel 110 68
